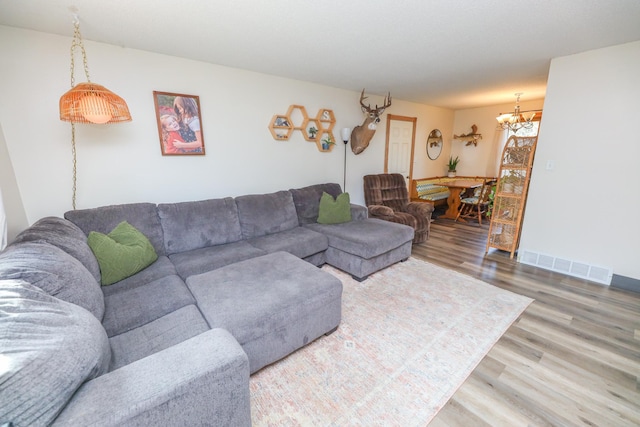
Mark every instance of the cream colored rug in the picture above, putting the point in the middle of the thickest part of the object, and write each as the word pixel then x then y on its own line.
pixel 410 336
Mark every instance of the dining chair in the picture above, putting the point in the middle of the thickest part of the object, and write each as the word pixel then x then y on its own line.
pixel 476 206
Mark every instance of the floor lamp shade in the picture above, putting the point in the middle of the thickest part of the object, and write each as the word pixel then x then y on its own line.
pixel 92 103
pixel 346 133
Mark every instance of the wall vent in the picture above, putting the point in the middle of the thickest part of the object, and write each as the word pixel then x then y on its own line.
pixel 582 270
pixel 562 265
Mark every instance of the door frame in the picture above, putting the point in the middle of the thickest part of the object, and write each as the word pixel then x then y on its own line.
pixel 413 142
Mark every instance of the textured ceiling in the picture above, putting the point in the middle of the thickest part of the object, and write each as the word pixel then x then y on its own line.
pixel 447 53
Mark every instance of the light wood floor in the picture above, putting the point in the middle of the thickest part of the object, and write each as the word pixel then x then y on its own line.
pixel 571 359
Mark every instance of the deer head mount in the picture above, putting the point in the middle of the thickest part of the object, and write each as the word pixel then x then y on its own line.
pixel 361 135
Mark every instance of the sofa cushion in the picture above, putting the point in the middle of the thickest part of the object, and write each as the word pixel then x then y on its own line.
pixel 121 253
pixel 55 272
pixel 65 235
pixel 49 348
pixel 135 307
pixel 161 268
pixel 334 210
pixel 298 241
pixel 307 200
pixel 272 305
pixel 367 238
pixel 162 333
pixel 195 225
pixel 201 260
pixel 143 216
pixel 262 214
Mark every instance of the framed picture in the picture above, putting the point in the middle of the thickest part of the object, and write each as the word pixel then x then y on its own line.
pixel 179 124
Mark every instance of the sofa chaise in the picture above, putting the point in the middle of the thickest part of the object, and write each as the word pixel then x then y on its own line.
pixel 233 287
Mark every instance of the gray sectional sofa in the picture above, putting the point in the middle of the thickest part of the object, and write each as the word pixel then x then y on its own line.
pixel 234 288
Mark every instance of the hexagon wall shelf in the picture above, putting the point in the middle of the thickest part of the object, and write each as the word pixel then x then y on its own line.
pixel 296 118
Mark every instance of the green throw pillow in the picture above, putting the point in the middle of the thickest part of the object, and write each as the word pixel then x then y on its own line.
pixel 334 211
pixel 121 253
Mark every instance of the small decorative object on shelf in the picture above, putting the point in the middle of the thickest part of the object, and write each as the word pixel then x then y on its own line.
pixel 511 194
pixel 328 143
pixel 280 127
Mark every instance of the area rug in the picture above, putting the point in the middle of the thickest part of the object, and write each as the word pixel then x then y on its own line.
pixel 410 335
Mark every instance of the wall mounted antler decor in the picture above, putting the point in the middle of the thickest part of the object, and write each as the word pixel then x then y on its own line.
pixel 470 138
pixel 361 135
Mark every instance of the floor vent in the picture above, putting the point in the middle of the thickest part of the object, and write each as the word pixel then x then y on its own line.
pixel 594 273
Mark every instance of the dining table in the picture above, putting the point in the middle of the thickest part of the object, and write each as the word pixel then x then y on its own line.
pixel 456 187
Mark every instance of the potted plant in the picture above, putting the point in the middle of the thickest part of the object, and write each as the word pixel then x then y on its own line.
pixel 312 132
pixel 453 163
pixel 327 143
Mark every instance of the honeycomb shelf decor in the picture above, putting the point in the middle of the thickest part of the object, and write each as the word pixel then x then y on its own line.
pixel 326 121
pixel 280 127
pixel 298 116
pixel 318 129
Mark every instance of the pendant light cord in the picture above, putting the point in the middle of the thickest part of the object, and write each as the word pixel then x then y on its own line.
pixel 73 153
pixel 77 42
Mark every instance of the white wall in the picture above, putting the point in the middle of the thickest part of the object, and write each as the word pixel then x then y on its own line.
pixel 12 202
pixel 122 163
pixel 586 209
pixel 482 160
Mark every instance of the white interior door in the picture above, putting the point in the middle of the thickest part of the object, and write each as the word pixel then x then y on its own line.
pixel 400 141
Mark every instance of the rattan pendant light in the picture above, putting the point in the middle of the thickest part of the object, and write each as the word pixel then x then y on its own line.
pixel 88 102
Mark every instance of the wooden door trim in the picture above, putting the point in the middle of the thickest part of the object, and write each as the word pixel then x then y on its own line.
pixel 413 142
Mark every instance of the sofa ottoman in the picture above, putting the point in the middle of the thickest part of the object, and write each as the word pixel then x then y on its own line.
pixel 273 304
pixel 365 246
pixel 359 247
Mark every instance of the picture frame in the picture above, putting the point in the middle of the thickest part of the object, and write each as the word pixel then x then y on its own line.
pixel 179 121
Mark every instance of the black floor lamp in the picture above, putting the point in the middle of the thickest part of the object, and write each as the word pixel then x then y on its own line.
pixel 345 133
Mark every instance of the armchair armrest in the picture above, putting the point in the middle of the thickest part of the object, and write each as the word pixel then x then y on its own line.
pixel 379 211
pixel 358 212
pixel 203 380
pixel 419 209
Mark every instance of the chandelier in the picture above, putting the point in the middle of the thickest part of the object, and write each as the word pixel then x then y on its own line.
pixel 516 120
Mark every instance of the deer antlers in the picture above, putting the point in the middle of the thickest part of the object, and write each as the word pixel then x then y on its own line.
pixel 378 110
